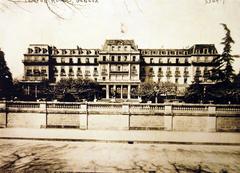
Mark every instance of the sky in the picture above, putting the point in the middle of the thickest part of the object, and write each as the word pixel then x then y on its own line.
pixel 151 23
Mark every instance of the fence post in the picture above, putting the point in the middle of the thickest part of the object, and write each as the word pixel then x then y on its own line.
pixel 126 111
pixel 84 116
pixel 168 118
pixel 212 119
pixel 3 114
pixel 43 109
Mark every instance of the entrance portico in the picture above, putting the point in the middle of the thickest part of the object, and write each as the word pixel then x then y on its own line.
pixel 120 91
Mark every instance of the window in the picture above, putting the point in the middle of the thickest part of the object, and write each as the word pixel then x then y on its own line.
pixel 87 60
pixel 112 58
pixel 119 68
pixel 186 60
pixel 79 60
pixel 104 78
pixel 176 80
pixel 168 61
pixel 95 68
pixel 63 71
pixel 62 60
pixel 160 60
pixel 29 72
pixel 95 60
pixel 177 61
pixel 70 60
pixel 151 60
pixel 43 58
pixel 119 58
pixel 104 58
pixel 125 58
pixel 119 47
pixel 112 47
pixel 198 59
pixel 125 47
pixel 185 80
pixel 134 58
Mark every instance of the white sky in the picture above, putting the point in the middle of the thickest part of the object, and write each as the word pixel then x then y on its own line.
pixel 151 23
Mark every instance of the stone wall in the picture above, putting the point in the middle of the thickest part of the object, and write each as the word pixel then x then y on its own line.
pixel 227 124
pixel 26 120
pixel 146 122
pixel 108 116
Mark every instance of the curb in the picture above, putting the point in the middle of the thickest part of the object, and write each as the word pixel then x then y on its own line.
pixel 121 141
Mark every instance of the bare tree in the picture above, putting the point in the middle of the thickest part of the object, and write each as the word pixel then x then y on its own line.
pixel 54 6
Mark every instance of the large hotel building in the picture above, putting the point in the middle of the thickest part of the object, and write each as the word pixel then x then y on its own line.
pixel 119 66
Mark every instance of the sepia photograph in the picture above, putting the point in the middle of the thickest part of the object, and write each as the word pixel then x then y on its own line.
pixel 105 86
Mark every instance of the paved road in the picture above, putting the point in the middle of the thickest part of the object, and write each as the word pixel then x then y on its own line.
pixel 44 150
pixel 45 156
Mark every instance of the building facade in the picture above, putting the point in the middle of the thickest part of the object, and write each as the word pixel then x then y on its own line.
pixel 119 66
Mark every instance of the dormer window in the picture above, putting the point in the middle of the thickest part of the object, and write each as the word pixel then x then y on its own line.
pixel 30 50
pixel 37 50
pixel 64 52
pixel 44 50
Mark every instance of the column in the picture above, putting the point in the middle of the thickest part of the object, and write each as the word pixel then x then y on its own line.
pixel 121 91
pixel 107 91
pixel 28 90
pixel 36 90
pixel 114 91
pixel 129 91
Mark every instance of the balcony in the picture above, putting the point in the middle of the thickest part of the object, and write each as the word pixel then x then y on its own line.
pixel 119 71
pixel 177 74
pixel 186 73
pixel 63 74
pixel 160 74
pixel 198 73
pixel 95 73
pixel 70 74
pixel 169 74
pixel 87 73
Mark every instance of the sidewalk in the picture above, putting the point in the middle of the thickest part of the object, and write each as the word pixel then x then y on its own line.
pixel 161 137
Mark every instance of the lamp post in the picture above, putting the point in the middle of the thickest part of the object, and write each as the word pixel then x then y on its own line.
pixel 156 90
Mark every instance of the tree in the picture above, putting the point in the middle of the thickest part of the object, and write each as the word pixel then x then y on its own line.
pixel 6 81
pixel 76 90
pixel 224 72
pixel 150 90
